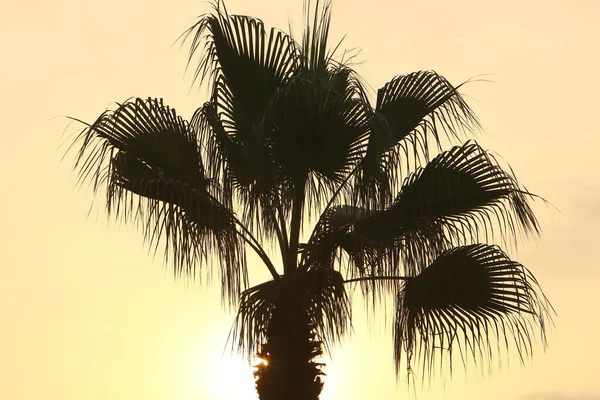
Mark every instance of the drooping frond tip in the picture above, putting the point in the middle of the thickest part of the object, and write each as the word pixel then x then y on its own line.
pixel 148 157
pixel 468 299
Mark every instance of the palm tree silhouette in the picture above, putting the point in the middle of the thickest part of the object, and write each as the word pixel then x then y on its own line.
pixel 289 136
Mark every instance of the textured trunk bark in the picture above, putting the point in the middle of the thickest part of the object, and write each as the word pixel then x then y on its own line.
pixel 290 372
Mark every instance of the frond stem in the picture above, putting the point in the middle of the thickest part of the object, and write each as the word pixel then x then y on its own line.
pixel 295 226
pixel 282 235
pixel 331 200
pixel 255 245
pixel 378 278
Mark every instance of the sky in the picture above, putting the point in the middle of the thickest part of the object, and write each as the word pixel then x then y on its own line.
pixel 86 312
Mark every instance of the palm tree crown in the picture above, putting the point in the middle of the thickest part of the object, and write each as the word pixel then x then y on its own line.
pixel 289 135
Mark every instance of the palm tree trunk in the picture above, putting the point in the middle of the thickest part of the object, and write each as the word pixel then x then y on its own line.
pixel 289 371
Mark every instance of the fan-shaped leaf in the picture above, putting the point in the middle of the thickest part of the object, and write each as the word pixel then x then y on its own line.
pixel 460 196
pixel 410 108
pixel 316 125
pixel 246 65
pixel 144 148
pixel 470 296
pixel 460 184
pixel 253 62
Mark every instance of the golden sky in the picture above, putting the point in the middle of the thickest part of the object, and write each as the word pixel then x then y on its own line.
pixel 87 313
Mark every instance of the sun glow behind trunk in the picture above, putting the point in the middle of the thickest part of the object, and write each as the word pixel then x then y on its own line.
pixel 256 361
pixel 232 375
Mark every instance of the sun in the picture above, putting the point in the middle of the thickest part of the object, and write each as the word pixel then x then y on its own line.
pixel 225 376
pixel 256 361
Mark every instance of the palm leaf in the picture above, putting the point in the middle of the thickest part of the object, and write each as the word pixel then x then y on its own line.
pixel 316 129
pixel 461 196
pixel 316 55
pixel 318 293
pixel 238 47
pixel 411 109
pixel 246 66
pixel 149 159
pixel 335 224
pixel 464 193
pixel 246 175
pixel 469 297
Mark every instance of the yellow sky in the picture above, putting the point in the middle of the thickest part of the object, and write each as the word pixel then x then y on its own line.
pixel 86 313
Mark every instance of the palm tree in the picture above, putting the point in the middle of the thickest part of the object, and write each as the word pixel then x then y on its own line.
pixel 290 138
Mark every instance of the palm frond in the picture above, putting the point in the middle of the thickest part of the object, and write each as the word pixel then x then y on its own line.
pixel 411 110
pixel 254 313
pixel 253 61
pixel 149 159
pixel 470 297
pixel 246 65
pixel 247 176
pixel 319 294
pixel 316 129
pixel 465 193
pixel 329 305
pixel 329 236
pixel 316 54
pixel 462 196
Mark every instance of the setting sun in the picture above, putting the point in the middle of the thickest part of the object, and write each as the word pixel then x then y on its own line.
pixel 258 361
pixel 228 375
